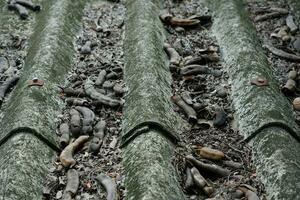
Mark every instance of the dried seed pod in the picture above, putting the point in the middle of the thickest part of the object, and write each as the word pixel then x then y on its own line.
pixel 165 17
pixel 101 98
pixel 174 56
pixel 4 64
pixel 101 78
pixel 211 154
pixel 183 22
pixel 214 57
pixel 220 118
pixel 95 145
pixel 187 98
pixel 88 119
pixel 269 16
pixel 98 136
pixel 28 4
pixel 232 164
pixel 65 134
pixel 249 194
pixel 199 180
pixel 71 92
pixel 205 124
pixel 208 190
pixel 194 70
pixel 289 88
pixel 72 184
pixel 112 75
pixel 76 101
pixel 292 74
pixel 108 84
pixel 296 103
pixel 238 194
pixel 6 86
pixel 66 156
pixel 291 24
pixel 19 8
pixel 75 123
pixel 208 168
pixel 197 60
pixel 86 48
pixel 282 54
pixel 109 185
pixel 296 44
pixel 118 89
pixel 189 182
pixel 189 111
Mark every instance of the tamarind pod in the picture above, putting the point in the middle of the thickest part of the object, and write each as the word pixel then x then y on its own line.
pixel 66 156
pixel 220 118
pixel 101 78
pixel 210 168
pixel 88 119
pixel 109 185
pixel 28 4
pixel 19 8
pixel 184 22
pixel 189 179
pixel 76 101
pixel 72 184
pixel 194 69
pixel 189 111
pixel 6 86
pixel 75 123
pixel 173 54
pixel 100 98
pixel 199 180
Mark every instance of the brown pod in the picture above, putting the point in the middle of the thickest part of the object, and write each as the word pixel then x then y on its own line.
pixel 194 70
pixel 183 22
pixel 189 111
pixel 211 154
pixel 291 24
pixel 189 179
pixel 66 156
pixel 220 118
pixel 65 134
pixel 296 103
pixel 100 98
pixel 76 101
pixel 289 88
pixel 174 56
pixel 101 78
pixel 72 184
pixel 88 119
pixel 208 168
pixel 249 194
pixel 199 180
pixel 75 123
pixel 292 74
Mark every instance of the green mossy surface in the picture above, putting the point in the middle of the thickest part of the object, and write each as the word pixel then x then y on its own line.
pixel 147 157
